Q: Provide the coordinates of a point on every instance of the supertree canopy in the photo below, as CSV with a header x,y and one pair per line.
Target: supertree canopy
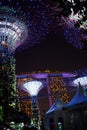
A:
x,y
73,15
79,79
25,21
12,31
33,87
76,34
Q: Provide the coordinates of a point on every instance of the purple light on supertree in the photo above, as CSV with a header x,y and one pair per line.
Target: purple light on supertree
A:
x,y
73,37
25,21
74,23
75,33
80,76
82,79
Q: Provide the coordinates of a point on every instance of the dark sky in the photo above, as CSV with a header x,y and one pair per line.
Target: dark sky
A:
x,y
52,53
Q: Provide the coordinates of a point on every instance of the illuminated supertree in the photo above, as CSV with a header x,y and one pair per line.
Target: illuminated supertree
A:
x,y
11,31
33,87
25,21
72,15
72,29
81,79
31,19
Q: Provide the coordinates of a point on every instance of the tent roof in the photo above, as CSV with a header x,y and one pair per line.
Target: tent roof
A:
x,y
56,106
78,98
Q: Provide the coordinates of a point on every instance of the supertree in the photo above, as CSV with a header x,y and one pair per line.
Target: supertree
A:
x,y
33,87
8,92
24,23
72,15
10,33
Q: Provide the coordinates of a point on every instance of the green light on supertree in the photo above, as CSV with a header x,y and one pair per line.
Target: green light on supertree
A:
x,y
8,91
12,31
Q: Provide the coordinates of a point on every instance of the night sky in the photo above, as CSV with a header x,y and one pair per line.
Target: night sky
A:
x,y
52,53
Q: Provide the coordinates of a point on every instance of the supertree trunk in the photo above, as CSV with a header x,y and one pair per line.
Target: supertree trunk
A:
x,y
8,92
